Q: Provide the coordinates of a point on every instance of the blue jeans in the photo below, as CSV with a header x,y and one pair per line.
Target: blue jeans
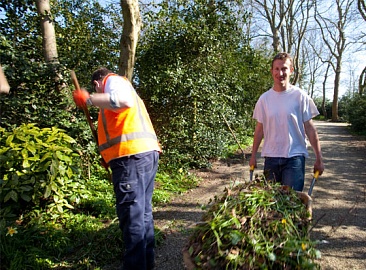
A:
x,y
287,171
133,181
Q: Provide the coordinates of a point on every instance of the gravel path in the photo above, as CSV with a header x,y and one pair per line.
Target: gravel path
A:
x,y
339,200
339,204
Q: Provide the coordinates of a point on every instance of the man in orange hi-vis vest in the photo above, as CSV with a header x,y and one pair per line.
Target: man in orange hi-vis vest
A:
x,y
128,144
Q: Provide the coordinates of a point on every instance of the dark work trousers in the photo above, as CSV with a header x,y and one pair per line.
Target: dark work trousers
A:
x,y
133,181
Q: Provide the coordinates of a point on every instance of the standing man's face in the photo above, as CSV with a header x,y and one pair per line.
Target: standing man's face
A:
x,y
281,71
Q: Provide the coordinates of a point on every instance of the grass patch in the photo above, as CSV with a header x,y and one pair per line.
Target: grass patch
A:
x,y
171,184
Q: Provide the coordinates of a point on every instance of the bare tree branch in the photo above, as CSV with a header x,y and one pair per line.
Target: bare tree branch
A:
x,y
334,37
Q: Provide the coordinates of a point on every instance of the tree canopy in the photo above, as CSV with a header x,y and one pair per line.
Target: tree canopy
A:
x,y
196,69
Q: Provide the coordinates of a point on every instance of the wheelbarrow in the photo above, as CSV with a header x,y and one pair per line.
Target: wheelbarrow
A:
x,y
304,197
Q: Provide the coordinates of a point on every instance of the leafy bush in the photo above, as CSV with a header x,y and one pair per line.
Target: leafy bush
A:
x,y
327,114
38,168
357,113
196,71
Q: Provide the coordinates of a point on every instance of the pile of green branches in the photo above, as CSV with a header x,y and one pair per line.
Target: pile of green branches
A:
x,y
256,225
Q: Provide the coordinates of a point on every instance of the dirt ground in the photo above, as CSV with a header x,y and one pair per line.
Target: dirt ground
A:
x,y
339,202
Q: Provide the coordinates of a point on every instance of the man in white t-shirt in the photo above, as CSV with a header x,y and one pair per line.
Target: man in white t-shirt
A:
x,y
284,119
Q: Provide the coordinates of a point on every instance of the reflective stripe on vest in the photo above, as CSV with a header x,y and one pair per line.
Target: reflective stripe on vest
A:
x,y
138,134
127,137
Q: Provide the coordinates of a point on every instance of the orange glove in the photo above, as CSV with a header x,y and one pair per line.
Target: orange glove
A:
x,y
80,97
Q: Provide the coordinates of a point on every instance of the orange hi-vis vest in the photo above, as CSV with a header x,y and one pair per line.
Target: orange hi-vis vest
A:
x,y
125,133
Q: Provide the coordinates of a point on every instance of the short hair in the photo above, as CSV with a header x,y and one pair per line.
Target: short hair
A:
x,y
99,74
283,56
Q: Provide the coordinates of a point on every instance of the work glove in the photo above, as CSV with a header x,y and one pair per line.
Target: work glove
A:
x,y
80,97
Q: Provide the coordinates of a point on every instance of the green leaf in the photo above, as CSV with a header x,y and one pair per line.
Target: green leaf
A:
x,y
61,170
236,237
3,150
24,153
51,139
61,156
68,205
28,181
46,156
35,158
69,172
26,188
9,139
68,139
11,195
60,209
53,168
67,159
47,192
14,179
31,148
43,167
25,197
25,163
21,137
54,187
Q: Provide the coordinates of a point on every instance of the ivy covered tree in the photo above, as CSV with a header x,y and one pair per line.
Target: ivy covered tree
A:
x,y
195,69
87,36
22,58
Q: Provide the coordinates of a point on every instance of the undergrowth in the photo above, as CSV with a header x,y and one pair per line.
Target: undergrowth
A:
x,y
86,237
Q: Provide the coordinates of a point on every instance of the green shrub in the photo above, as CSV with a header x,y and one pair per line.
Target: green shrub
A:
x,y
357,114
37,168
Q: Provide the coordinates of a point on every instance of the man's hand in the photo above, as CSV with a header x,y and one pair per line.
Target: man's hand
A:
x,y
80,97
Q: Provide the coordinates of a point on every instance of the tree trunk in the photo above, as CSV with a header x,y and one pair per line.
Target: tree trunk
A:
x,y
325,113
49,41
337,80
361,4
362,82
48,32
129,38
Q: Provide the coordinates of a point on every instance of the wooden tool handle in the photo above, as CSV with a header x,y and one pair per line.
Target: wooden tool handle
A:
x,y
74,80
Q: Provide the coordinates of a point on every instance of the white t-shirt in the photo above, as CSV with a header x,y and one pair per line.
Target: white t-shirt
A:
x,y
120,90
283,115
